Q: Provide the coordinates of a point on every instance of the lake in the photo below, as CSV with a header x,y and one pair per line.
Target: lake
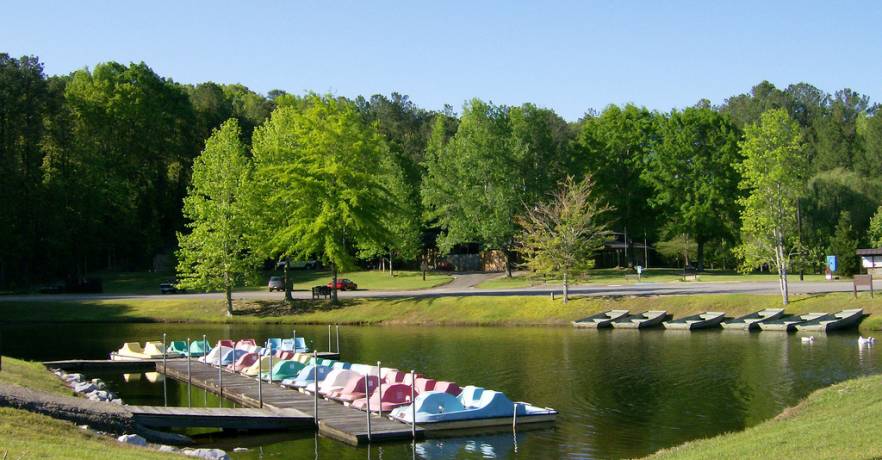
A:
x,y
620,393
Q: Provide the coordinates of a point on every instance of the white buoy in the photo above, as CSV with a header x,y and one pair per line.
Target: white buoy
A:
x,y
808,339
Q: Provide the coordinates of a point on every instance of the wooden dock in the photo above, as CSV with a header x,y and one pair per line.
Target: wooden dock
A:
x,y
241,419
334,419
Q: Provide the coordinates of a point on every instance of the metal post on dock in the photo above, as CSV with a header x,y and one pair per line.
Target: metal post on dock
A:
x,y
514,419
205,360
220,375
412,404
315,393
379,388
189,377
269,372
337,327
329,338
294,337
164,369
259,380
367,412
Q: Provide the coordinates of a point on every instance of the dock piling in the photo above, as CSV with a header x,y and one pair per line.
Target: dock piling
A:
x,y
514,419
220,376
270,371
379,388
189,377
367,410
164,369
329,337
337,327
294,337
412,404
260,381
315,382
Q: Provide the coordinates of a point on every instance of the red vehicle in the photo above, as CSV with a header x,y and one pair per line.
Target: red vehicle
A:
x,y
343,285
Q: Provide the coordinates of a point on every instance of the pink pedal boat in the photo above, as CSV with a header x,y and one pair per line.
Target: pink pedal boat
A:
x,y
394,395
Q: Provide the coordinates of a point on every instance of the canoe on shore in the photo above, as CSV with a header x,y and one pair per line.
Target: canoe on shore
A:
x,y
601,319
843,319
753,320
789,322
701,321
641,320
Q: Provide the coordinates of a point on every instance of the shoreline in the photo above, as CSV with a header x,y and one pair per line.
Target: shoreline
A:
x,y
505,311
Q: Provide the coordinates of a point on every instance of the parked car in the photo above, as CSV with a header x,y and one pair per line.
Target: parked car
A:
x,y
304,264
170,287
343,284
276,283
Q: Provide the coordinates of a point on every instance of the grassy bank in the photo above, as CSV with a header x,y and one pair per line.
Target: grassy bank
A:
x,y
842,422
618,276
467,310
27,435
31,375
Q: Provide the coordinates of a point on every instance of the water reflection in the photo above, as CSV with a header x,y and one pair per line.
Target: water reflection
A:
x,y
619,393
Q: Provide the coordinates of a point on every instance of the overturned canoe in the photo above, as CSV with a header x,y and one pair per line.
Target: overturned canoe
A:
x,y
601,319
841,320
753,320
701,321
640,320
789,322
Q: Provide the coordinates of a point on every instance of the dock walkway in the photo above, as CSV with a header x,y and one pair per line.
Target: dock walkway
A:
x,y
204,417
334,419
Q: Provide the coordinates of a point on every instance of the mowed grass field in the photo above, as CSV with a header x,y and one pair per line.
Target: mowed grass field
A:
x,y
618,276
463,310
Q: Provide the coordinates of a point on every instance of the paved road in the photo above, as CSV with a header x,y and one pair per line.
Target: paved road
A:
x,y
453,289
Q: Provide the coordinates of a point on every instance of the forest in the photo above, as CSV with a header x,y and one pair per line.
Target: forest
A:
x,y
96,166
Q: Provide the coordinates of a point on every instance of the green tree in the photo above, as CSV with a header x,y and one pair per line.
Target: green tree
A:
x,y
24,98
875,230
471,188
327,169
773,175
215,254
560,237
693,173
844,245
679,247
614,148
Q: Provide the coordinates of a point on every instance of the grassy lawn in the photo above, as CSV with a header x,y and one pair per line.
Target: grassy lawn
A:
x,y
842,422
27,435
148,282
466,310
31,375
617,276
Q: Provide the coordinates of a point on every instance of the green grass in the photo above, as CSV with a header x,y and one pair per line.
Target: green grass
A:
x,y
466,310
27,435
617,276
31,375
24,435
838,422
148,282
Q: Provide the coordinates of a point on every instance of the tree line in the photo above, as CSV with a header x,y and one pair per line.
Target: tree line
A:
x,y
97,165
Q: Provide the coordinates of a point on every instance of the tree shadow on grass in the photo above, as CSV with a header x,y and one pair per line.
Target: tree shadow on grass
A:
x,y
270,309
37,312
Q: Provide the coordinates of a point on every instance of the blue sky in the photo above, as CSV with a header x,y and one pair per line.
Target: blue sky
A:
x,y
569,56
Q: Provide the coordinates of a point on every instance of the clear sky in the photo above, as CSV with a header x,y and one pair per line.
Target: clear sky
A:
x,y
569,56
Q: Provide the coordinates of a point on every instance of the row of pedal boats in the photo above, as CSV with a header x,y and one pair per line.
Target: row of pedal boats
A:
x,y
770,319
437,404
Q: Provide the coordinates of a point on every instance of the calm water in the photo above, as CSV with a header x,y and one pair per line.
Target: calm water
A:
x,y
619,393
